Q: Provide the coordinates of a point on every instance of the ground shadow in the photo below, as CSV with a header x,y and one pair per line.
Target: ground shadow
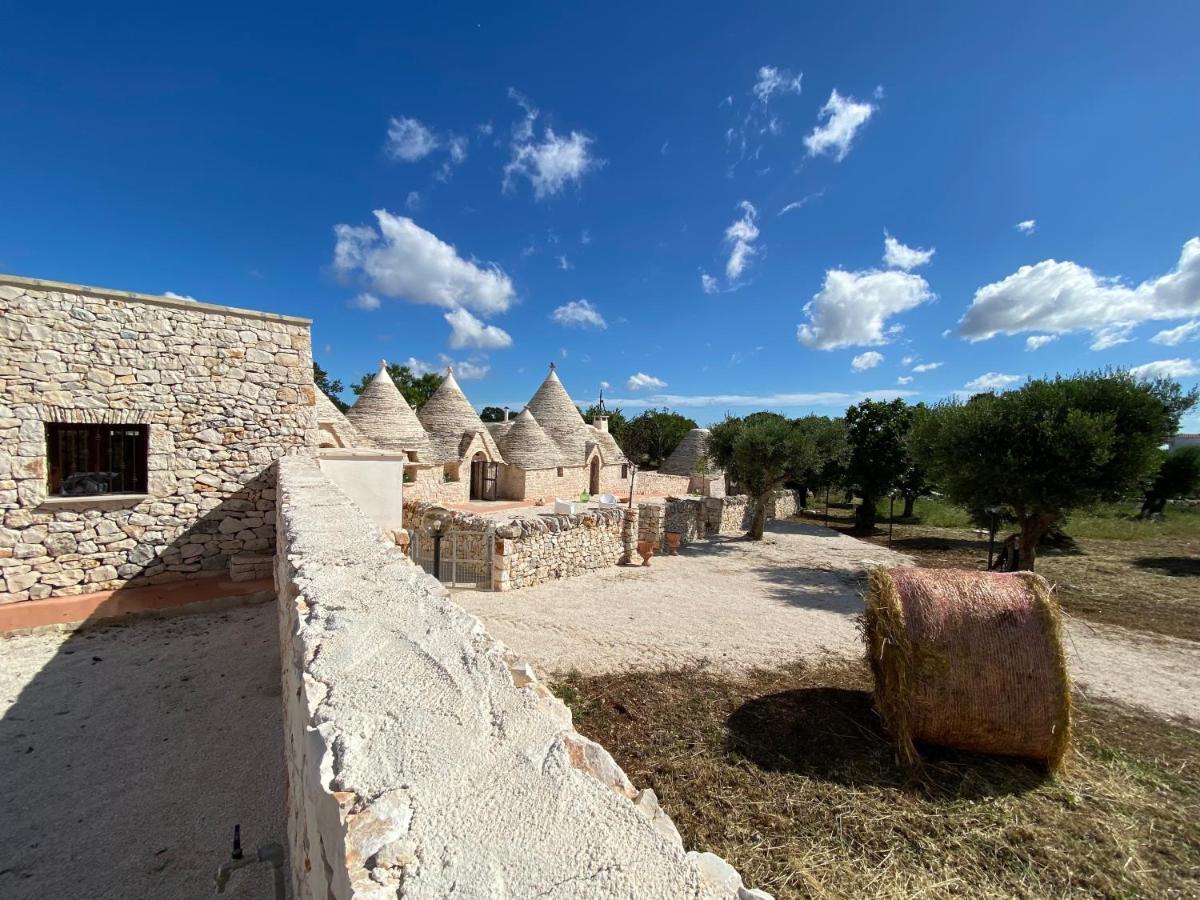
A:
x,y
835,735
131,747
1176,566
819,589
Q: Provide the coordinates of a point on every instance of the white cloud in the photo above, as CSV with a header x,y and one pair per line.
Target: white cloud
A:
x,y
904,379
402,259
1166,368
585,237
832,399
908,360
467,369
563,263
927,367
579,313
419,367
864,361
175,296
1057,297
366,301
1111,335
413,201
740,236
776,81
408,140
1029,226
802,202
551,163
641,381
708,283
852,308
993,381
1037,341
843,117
1173,337
468,331
898,256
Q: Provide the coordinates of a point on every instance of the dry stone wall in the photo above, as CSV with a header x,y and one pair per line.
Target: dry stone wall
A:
x,y
224,393
532,551
398,706
657,484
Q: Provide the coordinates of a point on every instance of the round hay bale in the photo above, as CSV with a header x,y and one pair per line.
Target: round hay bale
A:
x,y
971,660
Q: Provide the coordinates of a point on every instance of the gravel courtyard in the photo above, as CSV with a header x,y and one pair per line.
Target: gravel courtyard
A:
x,y
735,604
131,750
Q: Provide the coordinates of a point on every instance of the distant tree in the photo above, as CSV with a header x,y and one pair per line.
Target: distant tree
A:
x,y
826,465
417,389
651,436
1178,476
761,452
330,389
492,414
876,433
914,480
1050,446
617,423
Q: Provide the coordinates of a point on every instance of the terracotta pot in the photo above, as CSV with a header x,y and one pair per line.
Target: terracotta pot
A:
x,y
673,539
645,551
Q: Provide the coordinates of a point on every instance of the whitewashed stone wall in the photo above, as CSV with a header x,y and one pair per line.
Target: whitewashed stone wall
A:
x,y
424,759
224,392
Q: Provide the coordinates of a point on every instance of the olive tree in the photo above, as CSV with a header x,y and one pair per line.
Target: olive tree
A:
x,y
649,438
1051,446
1178,476
877,436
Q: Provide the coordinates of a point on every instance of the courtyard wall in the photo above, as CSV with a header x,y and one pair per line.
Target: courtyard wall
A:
x,y
423,756
224,393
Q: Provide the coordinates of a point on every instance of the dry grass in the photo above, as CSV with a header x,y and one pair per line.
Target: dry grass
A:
x,y
1146,579
787,774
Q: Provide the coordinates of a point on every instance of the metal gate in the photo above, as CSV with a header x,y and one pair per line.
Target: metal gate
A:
x,y
465,557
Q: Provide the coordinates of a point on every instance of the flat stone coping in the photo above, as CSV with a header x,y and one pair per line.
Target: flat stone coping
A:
x,y
96,500
198,594
39,284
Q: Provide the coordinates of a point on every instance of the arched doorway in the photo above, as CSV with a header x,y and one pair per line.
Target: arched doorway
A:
x,y
483,478
594,479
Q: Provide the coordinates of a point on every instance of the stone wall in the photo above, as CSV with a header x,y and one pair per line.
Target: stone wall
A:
x,y
733,514
656,484
429,483
533,551
685,517
223,392
423,758
651,523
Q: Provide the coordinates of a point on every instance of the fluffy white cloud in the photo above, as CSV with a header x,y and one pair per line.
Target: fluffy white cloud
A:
x,y
175,296
402,259
740,236
408,140
467,369
1058,297
898,256
833,399
776,81
1111,335
579,313
468,331
641,382
927,367
708,283
551,163
1166,368
1027,227
993,381
904,379
852,308
838,122
366,301
1036,341
419,367
864,361
1173,337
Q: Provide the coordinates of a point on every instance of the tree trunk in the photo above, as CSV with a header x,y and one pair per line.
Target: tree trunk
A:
x,y
759,522
864,514
1032,529
909,500
1153,506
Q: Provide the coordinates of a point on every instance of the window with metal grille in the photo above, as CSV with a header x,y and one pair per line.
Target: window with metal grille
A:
x,y
93,460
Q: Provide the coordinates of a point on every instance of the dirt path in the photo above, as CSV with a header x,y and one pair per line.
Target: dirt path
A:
x,y
736,604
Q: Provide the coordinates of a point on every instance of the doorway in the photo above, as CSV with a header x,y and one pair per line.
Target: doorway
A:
x,y
594,479
483,478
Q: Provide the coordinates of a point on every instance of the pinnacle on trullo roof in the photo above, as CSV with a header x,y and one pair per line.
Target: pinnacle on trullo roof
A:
x,y
527,446
384,417
447,416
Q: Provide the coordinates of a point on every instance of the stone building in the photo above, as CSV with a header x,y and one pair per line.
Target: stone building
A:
x,y
692,461
138,435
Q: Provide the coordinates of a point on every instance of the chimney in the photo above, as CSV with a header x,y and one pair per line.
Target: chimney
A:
x,y
601,422
506,414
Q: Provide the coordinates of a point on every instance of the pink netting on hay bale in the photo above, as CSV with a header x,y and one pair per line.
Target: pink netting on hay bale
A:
x,y
971,660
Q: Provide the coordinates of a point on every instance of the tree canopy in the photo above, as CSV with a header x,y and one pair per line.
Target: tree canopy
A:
x,y
1178,476
877,436
618,424
329,388
492,414
416,389
650,437
1051,446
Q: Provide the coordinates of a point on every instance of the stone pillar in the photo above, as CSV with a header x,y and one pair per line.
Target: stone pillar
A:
x,y
502,552
629,537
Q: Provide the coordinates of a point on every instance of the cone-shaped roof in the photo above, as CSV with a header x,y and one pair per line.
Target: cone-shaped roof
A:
x,y
330,418
447,416
383,416
683,458
556,412
527,446
609,448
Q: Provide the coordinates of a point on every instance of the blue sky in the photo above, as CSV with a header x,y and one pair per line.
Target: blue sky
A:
x,y
686,203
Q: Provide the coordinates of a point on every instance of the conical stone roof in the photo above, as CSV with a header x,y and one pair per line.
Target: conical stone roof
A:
x,y
527,446
556,412
384,417
333,419
683,459
447,416
609,448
